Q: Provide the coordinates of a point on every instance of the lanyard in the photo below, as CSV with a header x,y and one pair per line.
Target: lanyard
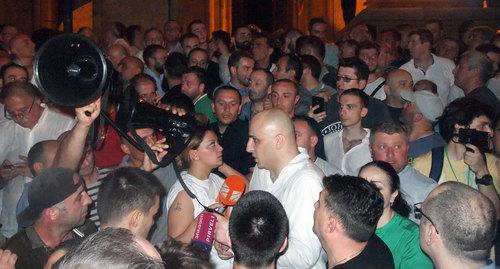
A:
x,y
453,171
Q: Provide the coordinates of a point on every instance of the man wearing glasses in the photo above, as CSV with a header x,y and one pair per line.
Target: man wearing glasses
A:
x,y
29,122
353,73
457,227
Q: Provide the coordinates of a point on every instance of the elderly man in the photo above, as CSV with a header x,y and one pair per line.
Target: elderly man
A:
x,y
473,71
463,238
292,178
29,122
23,50
129,67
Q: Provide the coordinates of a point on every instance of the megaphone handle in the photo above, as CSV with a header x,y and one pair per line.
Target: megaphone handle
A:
x,y
120,131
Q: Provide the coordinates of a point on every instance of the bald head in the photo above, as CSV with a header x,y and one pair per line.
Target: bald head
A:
x,y
22,46
465,220
116,53
272,140
425,85
275,121
41,155
130,66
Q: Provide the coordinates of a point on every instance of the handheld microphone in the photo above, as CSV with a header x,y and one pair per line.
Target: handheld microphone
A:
x,y
205,231
231,191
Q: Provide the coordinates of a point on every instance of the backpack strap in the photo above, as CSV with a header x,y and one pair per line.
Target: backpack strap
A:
x,y
377,89
437,163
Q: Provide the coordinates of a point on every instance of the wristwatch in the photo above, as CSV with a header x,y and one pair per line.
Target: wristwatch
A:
x,y
485,180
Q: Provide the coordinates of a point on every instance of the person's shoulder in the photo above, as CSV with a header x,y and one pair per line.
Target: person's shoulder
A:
x,y
444,61
407,66
407,226
18,243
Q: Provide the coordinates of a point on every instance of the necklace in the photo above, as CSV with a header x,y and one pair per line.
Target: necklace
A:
x,y
348,257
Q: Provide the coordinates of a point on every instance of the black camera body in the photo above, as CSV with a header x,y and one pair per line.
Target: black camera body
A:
x,y
472,136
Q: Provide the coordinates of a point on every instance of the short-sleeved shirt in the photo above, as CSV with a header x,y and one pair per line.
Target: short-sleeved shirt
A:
x,y
414,187
204,106
376,255
425,144
457,170
401,235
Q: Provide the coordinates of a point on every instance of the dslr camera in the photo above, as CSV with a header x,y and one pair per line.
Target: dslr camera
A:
x,y
477,138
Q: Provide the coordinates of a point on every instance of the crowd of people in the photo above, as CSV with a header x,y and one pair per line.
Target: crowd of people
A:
x,y
379,150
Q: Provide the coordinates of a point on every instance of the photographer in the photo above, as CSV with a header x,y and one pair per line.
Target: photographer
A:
x,y
466,127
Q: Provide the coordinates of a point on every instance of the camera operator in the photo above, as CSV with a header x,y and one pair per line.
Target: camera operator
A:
x,y
466,126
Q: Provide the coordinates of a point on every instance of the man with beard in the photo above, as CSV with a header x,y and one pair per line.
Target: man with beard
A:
x,y
242,40
261,81
368,52
58,204
231,131
154,58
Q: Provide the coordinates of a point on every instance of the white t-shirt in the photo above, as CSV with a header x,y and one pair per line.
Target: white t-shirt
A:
x,y
349,162
440,72
297,187
206,191
370,87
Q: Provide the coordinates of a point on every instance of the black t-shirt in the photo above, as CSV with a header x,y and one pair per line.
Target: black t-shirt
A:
x,y
395,113
376,255
234,142
486,96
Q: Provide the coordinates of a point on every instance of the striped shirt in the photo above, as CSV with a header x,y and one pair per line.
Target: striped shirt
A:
x,y
93,191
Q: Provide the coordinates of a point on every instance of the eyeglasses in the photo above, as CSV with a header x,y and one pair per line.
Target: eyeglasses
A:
x,y
418,214
19,115
345,79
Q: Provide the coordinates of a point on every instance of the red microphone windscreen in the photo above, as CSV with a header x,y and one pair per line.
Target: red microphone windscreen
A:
x,y
231,190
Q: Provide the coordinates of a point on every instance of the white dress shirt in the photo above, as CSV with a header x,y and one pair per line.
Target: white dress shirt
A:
x,y
440,72
297,187
16,140
351,161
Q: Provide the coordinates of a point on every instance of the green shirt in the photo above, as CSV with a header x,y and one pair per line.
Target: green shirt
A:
x,y
204,106
401,235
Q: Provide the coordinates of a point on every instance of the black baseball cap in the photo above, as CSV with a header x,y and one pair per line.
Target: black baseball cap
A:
x,y
49,188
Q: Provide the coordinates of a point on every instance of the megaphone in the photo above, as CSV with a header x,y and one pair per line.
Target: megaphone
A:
x,y
135,113
70,70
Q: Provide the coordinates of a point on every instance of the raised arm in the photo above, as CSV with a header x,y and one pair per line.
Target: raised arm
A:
x,y
72,144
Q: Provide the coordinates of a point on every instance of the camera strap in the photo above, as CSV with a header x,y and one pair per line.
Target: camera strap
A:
x,y
437,163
